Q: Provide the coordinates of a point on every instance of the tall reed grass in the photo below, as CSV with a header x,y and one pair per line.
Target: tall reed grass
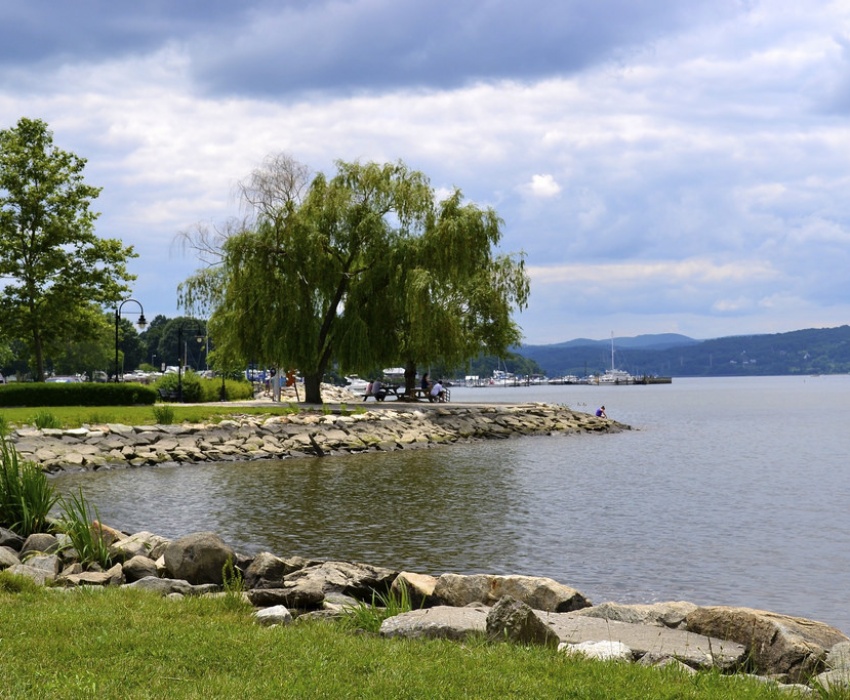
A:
x,y
26,496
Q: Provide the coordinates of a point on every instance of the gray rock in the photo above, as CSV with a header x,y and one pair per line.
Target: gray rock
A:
x,y
838,656
112,577
8,557
198,558
776,644
602,651
142,543
277,615
139,567
358,580
304,595
537,592
420,588
668,614
40,576
265,571
441,622
695,650
11,539
162,586
40,542
510,620
46,562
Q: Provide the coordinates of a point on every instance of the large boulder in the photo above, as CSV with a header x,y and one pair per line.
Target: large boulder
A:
x,y
775,644
442,622
537,592
40,542
144,544
198,558
139,567
265,571
510,620
360,581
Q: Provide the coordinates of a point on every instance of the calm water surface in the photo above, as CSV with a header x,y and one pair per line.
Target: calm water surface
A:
x,y
727,491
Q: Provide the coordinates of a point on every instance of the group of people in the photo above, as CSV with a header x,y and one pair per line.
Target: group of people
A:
x,y
434,390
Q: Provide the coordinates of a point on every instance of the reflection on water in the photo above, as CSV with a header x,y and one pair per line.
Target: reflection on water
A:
x,y
402,509
730,492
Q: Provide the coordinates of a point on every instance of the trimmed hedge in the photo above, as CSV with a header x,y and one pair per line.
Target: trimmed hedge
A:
x,y
84,394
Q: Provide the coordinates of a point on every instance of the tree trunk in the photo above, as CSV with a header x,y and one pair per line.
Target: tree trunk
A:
x,y
410,377
313,388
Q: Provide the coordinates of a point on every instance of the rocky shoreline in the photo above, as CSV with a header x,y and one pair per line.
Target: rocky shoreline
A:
x,y
334,430
796,653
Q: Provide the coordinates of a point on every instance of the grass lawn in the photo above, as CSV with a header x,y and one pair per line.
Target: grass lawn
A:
x,y
76,416
131,644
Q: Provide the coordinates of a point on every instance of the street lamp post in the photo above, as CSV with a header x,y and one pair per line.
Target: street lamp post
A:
x,y
199,333
141,323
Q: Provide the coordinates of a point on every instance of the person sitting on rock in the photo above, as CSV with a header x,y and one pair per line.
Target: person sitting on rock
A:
x,y
600,412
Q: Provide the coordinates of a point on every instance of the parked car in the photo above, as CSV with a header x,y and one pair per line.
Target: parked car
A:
x,y
64,379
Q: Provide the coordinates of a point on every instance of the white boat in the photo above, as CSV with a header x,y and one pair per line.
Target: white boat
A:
x,y
614,376
356,384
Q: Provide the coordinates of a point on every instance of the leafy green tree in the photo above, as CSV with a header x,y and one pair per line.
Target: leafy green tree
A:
x,y
89,354
183,337
151,337
53,263
363,269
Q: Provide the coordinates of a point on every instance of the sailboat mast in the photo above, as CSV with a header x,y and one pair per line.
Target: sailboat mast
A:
x,y
612,351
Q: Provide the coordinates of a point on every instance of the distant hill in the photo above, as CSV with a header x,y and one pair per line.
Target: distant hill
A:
x,y
811,351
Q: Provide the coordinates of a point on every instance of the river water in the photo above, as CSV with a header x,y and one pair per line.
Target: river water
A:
x,y
726,492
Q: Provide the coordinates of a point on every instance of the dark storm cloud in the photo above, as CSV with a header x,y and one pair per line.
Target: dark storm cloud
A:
x,y
271,48
366,45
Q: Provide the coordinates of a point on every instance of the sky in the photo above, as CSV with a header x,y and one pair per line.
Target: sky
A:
x,y
665,166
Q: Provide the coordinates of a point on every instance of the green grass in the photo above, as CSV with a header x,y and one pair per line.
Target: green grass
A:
x,y
76,416
131,644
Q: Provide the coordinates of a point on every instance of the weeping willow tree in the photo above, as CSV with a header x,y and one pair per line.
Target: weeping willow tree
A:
x,y
363,269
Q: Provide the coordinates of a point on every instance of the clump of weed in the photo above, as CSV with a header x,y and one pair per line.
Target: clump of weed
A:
x,y
26,496
163,415
16,583
81,523
45,419
369,616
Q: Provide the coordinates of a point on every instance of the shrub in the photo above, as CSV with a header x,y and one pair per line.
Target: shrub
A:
x,y
190,381
164,415
202,390
26,496
84,394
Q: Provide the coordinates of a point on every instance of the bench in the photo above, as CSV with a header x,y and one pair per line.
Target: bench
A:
x,y
388,388
420,394
168,395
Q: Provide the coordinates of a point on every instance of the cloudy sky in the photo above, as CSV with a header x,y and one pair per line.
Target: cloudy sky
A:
x,y
665,165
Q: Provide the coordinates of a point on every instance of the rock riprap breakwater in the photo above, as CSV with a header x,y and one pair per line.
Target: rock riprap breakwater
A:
x,y
796,652
297,434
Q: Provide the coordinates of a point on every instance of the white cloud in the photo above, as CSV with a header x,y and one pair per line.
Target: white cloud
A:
x,y
542,187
